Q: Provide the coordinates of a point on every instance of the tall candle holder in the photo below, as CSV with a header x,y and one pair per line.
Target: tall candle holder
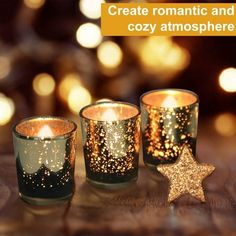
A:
x,y
169,120
45,157
111,142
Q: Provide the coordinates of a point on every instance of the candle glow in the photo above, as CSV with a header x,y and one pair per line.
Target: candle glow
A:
x,y
45,155
45,131
170,120
109,115
169,102
111,132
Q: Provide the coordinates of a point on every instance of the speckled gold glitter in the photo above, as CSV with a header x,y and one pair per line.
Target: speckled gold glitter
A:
x,y
186,175
45,165
112,147
111,142
166,129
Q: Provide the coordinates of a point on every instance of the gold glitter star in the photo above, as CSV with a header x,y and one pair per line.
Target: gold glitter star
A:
x,y
186,175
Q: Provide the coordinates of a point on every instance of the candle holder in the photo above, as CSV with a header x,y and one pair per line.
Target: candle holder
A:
x,y
45,157
169,120
111,142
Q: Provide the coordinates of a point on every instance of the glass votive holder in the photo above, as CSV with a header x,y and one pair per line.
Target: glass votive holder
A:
x,y
111,143
169,120
45,159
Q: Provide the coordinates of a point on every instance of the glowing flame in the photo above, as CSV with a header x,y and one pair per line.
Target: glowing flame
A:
x,y
45,131
169,101
109,115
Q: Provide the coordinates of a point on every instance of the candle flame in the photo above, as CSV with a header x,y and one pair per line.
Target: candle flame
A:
x,y
45,131
169,102
109,115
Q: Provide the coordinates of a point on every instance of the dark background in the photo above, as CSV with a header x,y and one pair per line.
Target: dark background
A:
x,y
43,40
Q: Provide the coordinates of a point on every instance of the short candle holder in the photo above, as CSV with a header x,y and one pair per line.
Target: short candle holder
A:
x,y
111,142
169,120
45,158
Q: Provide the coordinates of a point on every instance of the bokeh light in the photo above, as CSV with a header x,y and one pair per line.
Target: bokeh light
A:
x,y
89,35
69,82
34,4
78,98
109,54
43,84
7,109
91,8
225,124
227,80
160,55
5,67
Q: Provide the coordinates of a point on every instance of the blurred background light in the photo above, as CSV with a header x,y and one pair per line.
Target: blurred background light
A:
x,y
34,4
5,66
78,98
7,109
89,35
109,54
68,82
91,8
160,55
44,84
227,80
225,124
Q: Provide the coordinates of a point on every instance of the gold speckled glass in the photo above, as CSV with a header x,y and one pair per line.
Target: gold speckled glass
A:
x,y
111,142
45,158
169,120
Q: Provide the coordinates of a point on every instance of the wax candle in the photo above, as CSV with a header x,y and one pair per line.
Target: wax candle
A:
x,y
169,120
45,157
111,142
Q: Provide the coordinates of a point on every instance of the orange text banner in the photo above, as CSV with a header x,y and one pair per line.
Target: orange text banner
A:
x,y
170,19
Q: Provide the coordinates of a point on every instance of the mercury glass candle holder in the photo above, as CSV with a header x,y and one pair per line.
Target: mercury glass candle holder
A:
x,y
45,159
111,142
169,120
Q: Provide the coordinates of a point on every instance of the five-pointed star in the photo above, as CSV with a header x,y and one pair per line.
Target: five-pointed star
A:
x,y
186,175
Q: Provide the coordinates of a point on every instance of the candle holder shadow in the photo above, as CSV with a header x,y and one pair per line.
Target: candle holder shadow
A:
x,y
45,164
111,142
169,120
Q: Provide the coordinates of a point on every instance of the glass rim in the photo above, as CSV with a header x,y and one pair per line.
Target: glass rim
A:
x,y
186,91
56,137
110,102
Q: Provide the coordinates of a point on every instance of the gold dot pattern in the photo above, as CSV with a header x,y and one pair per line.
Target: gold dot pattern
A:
x,y
112,147
166,129
45,168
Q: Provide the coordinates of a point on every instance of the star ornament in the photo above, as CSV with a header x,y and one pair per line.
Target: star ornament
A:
x,y
186,175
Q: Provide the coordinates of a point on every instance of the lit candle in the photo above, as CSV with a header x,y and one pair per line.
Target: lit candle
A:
x,y
111,141
169,120
109,115
45,131
169,102
45,155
